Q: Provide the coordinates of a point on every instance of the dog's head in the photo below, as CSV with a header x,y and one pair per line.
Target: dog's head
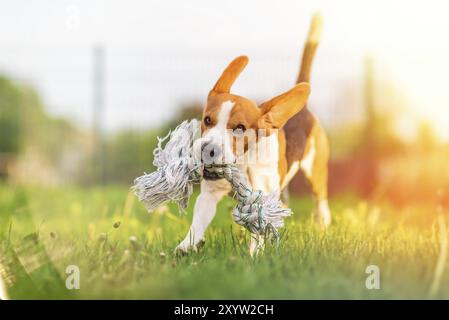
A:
x,y
232,124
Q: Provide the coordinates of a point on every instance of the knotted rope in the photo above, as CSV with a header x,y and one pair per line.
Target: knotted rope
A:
x,y
178,168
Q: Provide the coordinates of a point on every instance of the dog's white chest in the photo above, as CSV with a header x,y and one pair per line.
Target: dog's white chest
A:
x,y
264,177
264,173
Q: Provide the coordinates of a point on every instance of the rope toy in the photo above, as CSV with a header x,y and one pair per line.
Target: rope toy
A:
x,y
178,169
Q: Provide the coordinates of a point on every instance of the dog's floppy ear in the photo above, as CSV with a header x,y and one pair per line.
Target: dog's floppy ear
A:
x,y
277,111
228,77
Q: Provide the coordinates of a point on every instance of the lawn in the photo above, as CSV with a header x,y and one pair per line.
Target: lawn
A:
x,y
125,253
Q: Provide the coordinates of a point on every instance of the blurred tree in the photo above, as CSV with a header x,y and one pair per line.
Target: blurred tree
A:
x,y
379,139
38,130
129,154
10,133
9,117
31,141
426,139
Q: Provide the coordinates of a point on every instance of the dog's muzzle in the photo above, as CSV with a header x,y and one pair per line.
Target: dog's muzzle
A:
x,y
211,154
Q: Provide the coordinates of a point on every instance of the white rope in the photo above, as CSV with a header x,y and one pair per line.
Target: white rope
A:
x,y
177,171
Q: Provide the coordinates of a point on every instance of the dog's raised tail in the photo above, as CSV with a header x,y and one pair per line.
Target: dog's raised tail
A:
x,y
313,39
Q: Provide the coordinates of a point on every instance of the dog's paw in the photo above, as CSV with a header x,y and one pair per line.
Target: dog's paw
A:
x,y
181,250
322,219
322,215
186,247
322,222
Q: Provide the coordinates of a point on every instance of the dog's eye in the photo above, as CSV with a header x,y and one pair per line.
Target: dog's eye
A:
x,y
239,128
207,121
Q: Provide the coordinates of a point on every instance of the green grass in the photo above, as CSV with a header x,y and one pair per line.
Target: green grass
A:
x,y
75,227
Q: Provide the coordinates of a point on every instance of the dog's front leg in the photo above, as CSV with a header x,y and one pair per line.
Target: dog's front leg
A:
x,y
265,179
203,212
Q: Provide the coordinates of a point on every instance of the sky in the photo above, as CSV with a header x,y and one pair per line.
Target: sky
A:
x,y
161,55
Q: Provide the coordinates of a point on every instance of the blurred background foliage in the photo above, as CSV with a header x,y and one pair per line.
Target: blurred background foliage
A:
x,y
368,157
36,148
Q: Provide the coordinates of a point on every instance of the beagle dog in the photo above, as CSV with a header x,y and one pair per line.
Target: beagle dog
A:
x,y
290,136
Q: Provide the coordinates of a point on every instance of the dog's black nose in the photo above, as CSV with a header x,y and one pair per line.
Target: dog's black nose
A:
x,y
210,152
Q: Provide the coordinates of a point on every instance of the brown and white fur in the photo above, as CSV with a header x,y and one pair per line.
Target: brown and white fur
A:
x,y
299,142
